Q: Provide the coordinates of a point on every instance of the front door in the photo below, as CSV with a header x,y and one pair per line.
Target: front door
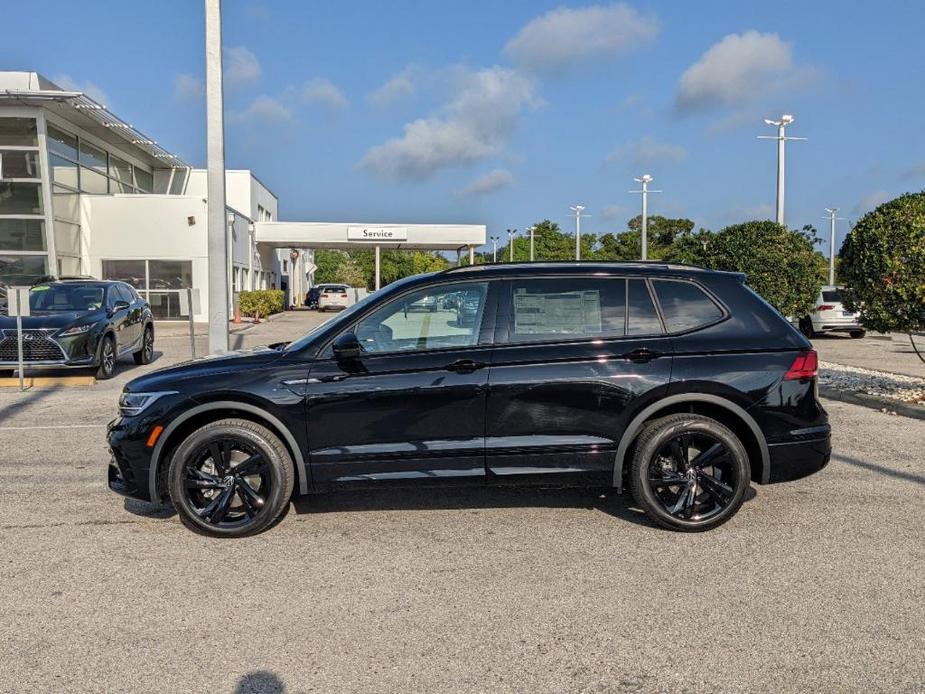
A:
x,y
571,355
411,408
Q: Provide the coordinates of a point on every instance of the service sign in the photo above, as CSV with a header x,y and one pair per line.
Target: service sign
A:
x,y
377,234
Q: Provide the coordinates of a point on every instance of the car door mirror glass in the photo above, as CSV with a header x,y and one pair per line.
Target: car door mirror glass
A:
x,y
119,306
347,347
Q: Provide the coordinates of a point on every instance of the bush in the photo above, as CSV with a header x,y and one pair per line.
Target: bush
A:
x,y
779,263
264,301
883,266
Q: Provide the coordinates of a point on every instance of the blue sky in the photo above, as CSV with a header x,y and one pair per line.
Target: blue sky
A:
x,y
507,113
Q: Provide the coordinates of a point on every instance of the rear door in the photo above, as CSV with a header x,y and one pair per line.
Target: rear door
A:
x,y
573,356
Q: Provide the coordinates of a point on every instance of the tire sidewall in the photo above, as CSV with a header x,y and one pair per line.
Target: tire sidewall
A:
x,y
101,372
650,445
281,483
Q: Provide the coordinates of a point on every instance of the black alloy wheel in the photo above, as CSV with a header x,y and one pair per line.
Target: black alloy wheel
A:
x,y
107,366
690,472
146,354
230,478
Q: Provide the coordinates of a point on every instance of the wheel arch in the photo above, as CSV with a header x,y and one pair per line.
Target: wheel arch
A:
x,y
720,408
213,411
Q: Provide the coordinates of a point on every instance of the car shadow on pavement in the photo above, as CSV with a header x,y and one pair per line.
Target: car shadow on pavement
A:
x,y
879,469
146,510
260,682
605,499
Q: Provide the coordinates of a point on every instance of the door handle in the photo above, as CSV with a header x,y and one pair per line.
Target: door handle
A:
x,y
642,355
465,366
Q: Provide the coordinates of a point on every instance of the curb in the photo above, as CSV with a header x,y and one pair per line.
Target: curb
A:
x,y
873,402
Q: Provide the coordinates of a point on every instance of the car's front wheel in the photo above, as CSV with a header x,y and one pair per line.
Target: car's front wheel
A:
x,y
107,366
857,334
689,472
230,478
145,355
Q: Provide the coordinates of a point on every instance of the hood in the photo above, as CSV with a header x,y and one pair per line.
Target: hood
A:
x,y
207,366
51,319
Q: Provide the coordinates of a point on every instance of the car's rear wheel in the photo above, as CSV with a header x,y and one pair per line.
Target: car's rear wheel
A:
x,y
689,472
230,478
107,366
857,334
145,355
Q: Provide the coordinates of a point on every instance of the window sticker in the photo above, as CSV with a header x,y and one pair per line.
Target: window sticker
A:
x,y
566,313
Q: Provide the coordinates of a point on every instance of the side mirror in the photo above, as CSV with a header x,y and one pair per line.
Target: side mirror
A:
x,y
119,306
347,347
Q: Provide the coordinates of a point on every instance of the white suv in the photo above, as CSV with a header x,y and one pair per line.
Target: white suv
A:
x,y
830,316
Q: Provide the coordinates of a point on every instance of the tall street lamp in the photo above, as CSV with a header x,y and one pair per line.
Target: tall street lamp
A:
x,y
781,138
511,233
645,180
578,209
531,230
494,248
832,212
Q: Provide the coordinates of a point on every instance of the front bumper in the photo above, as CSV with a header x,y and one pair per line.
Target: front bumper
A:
x,y
130,459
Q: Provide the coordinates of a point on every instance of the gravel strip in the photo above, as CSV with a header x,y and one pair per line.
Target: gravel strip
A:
x,y
906,389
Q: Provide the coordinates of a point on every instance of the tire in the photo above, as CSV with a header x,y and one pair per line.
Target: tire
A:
x,y
680,500
145,355
107,365
806,327
7,373
858,334
253,501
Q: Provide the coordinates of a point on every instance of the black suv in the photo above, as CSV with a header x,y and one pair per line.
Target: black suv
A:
x,y
679,383
79,324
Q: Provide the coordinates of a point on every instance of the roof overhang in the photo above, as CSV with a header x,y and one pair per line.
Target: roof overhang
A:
x,y
350,235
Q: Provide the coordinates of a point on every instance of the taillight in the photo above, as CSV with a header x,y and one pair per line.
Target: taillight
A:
x,y
343,296
825,307
806,365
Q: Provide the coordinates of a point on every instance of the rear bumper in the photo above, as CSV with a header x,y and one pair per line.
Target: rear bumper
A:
x,y
797,459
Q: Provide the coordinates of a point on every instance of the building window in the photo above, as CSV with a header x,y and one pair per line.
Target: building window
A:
x,y
19,164
22,235
61,143
18,132
21,198
22,269
158,281
144,181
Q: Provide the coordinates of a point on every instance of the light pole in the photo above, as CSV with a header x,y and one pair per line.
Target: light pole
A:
x,y
531,230
494,248
781,138
578,209
215,182
832,212
511,233
645,180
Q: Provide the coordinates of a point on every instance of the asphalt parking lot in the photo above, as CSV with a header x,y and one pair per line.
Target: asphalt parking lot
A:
x,y
815,585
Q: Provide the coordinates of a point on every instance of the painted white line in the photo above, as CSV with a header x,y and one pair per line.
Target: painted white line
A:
x,y
59,426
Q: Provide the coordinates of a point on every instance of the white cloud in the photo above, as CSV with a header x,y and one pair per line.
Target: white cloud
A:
x,y
566,37
321,92
476,124
740,69
186,87
872,201
89,88
241,66
399,86
489,182
646,152
264,109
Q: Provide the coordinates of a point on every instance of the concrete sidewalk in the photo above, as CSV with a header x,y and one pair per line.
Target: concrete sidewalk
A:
x,y
891,353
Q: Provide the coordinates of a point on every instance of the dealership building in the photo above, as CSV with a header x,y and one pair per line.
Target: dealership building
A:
x,y
84,193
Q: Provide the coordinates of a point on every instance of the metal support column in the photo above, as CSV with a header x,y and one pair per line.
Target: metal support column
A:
x,y
378,267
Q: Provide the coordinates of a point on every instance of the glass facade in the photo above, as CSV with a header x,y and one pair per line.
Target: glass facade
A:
x,y
159,281
23,250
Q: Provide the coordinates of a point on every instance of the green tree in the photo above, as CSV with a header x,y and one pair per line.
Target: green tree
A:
x,y
780,264
883,266
662,235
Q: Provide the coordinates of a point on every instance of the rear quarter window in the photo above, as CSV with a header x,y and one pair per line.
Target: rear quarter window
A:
x,y
685,306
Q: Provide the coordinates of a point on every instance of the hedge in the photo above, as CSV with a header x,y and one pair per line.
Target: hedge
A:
x,y
263,301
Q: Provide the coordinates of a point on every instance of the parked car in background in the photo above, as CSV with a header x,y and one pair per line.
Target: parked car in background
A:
x,y
677,383
80,324
333,297
830,316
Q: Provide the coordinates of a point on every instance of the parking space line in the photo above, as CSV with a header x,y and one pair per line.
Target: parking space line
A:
x,y
56,426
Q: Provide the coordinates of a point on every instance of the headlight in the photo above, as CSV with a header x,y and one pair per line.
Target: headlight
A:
x,y
131,404
76,330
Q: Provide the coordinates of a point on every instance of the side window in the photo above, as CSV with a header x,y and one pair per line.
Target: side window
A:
x,y
685,306
642,319
567,308
432,318
124,294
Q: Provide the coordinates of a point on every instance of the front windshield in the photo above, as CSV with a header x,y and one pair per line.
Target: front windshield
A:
x,y
66,298
346,316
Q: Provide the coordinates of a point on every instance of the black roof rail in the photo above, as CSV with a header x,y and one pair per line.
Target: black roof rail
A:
x,y
658,264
